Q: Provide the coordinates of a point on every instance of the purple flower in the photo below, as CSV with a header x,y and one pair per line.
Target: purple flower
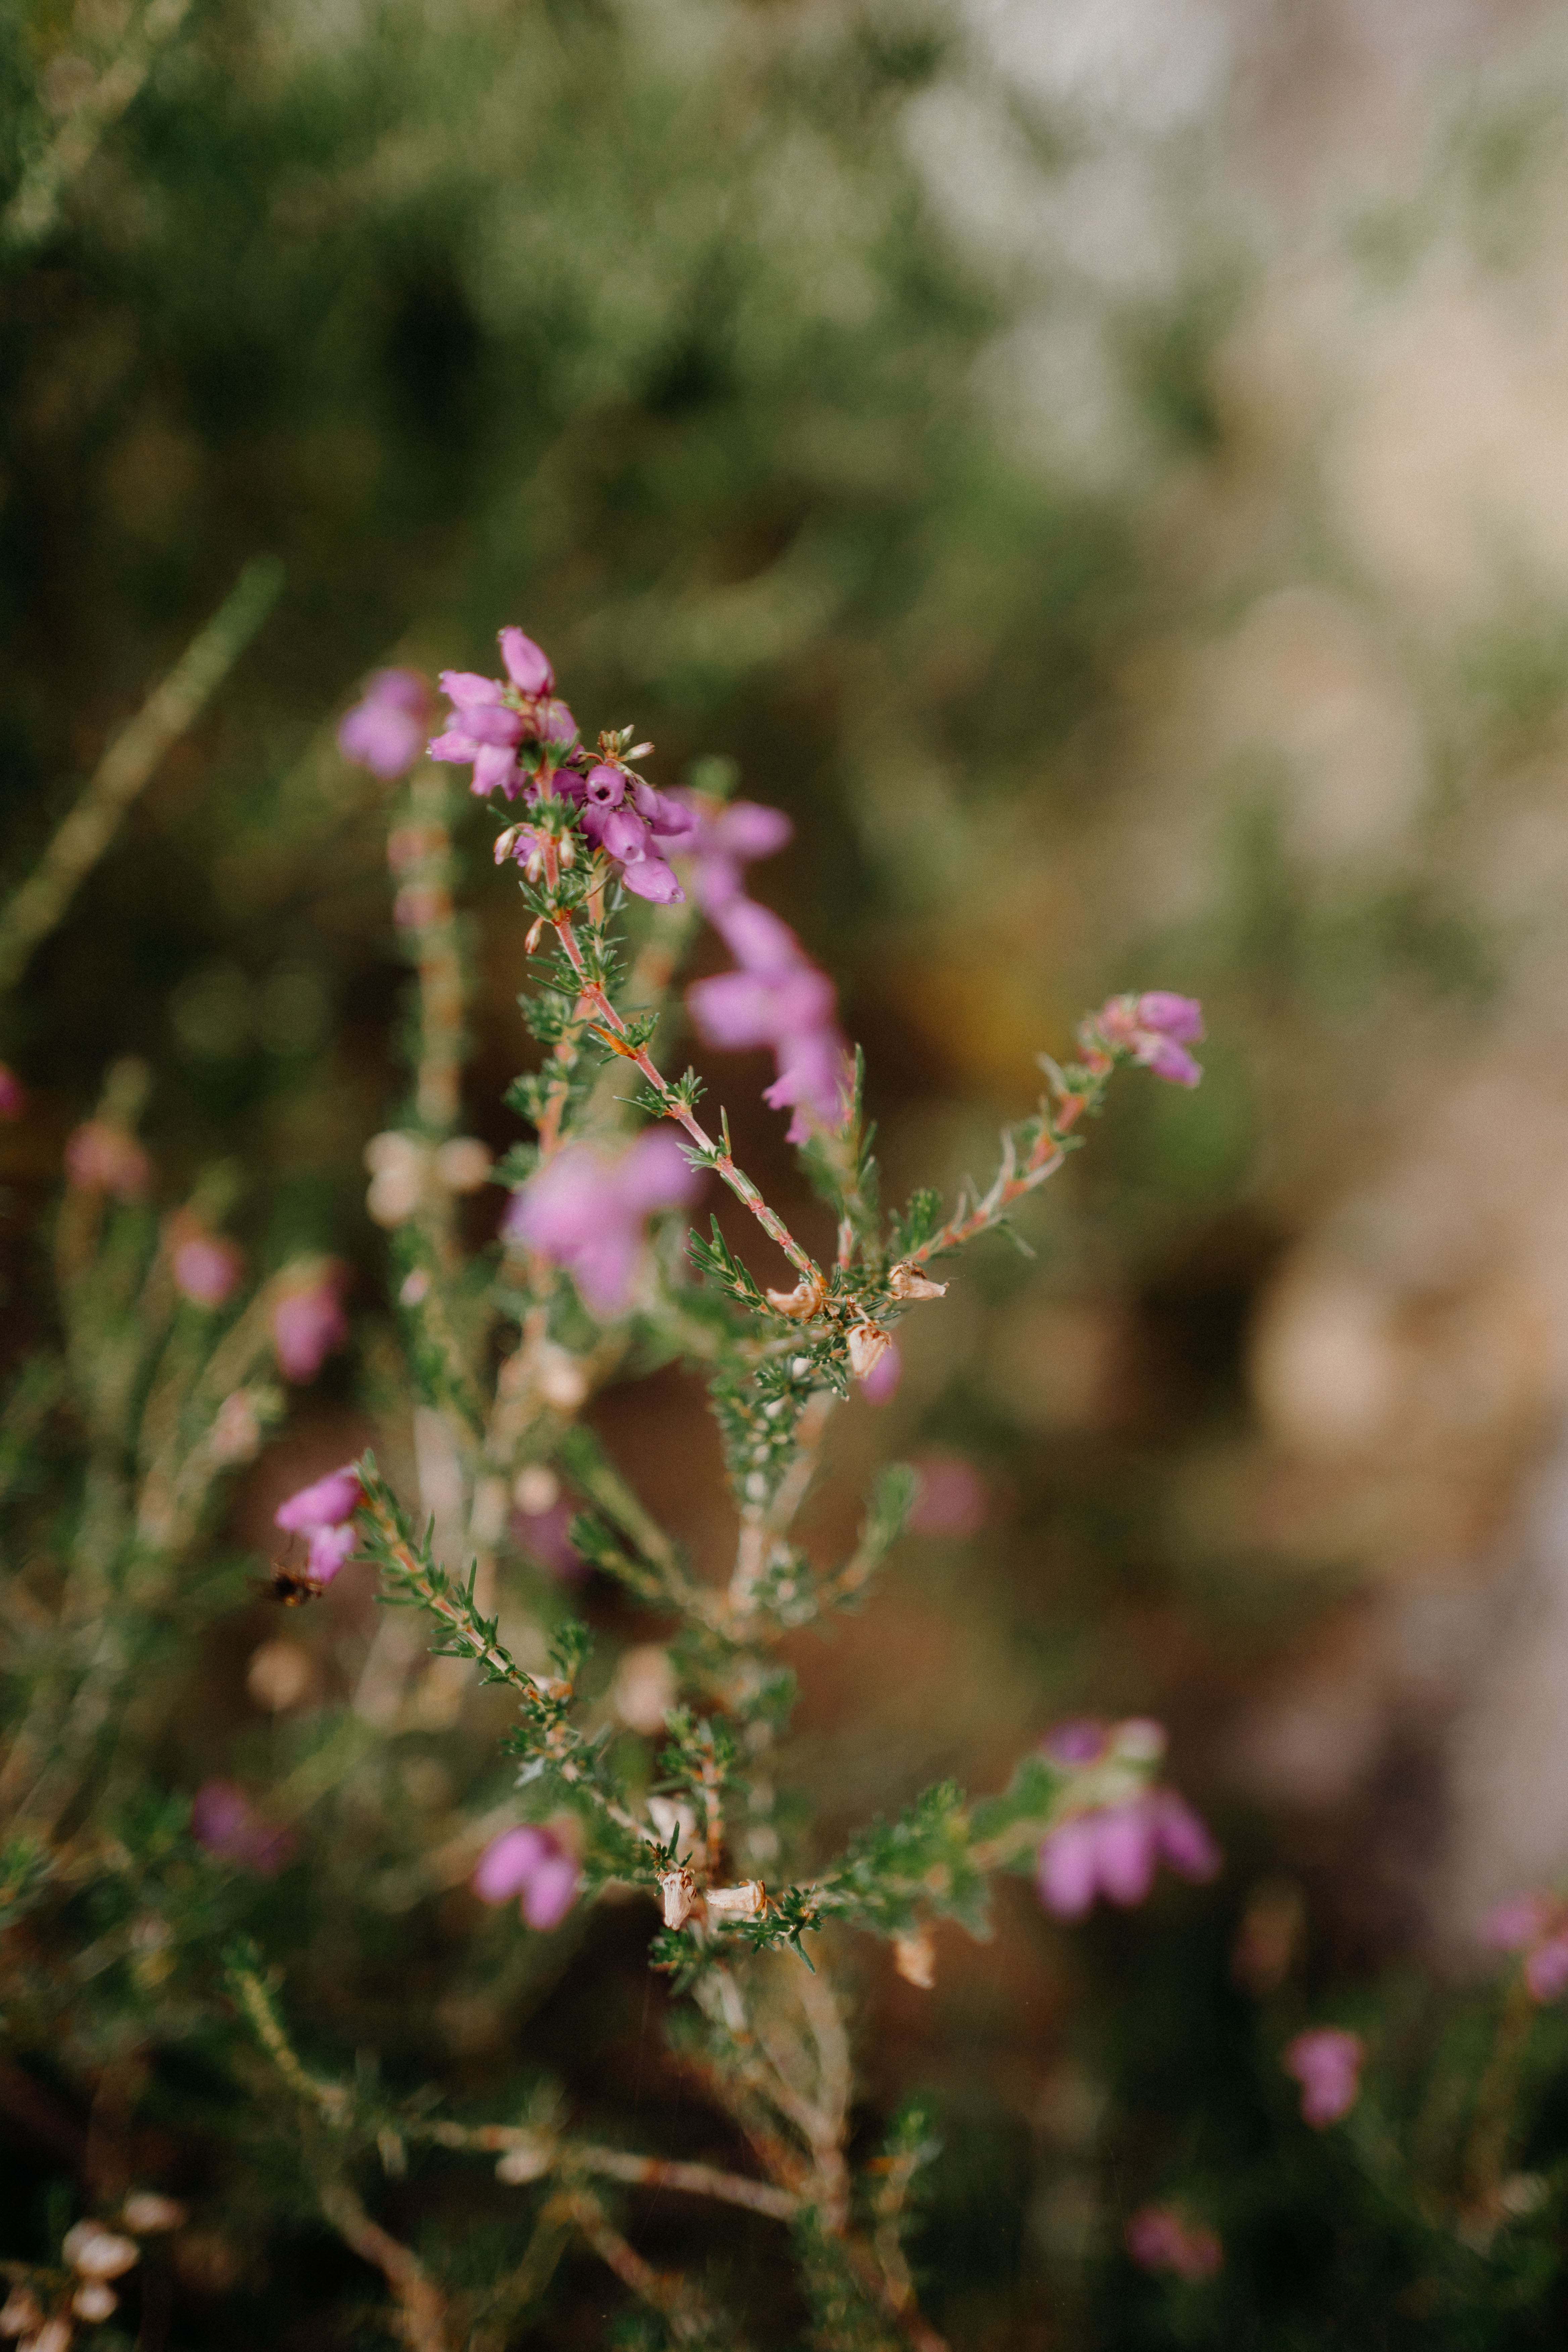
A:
x,y
1082,1740
13,1096
632,824
587,1212
813,1080
1538,1927
737,1010
385,729
533,1863
224,1820
1326,2061
1117,1828
778,999
207,1268
1156,1028
307,1325
527,664
512,731
324,1515
1158,2239
881,1383
726,839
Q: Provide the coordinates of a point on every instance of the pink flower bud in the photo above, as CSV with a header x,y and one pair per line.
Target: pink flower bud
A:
x,y
13,1096
1156,1027
587,1214
465,687
527,666
307,1325
1546,1970
385,729
206,1269
1159,2240
532,1863
1179,1017
334,1497
651,878
1326,2061
324,1515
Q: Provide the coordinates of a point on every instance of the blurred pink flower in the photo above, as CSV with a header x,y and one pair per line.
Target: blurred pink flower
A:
x,y
309,1324
776,996
1114,1850
103,1158
545,1534
324,1515
205,1267
224,1820
725,840
1119,1827
533,1863
1158,2239
13,1094
1537,1926
881,1382
1326,2061
385,729
952,1498
586,1213
1156,1027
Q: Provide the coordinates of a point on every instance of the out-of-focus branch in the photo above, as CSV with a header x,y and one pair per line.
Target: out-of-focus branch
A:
x,y
421,2305
34,911
32,211
614,2164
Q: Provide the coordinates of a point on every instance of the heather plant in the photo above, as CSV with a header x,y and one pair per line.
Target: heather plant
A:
x,y
232,1981
173,1367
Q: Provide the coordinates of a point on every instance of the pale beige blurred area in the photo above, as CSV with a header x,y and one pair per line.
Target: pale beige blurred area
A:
x,y
1356,212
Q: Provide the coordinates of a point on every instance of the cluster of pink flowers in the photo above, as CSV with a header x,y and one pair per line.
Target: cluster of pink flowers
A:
x,y
776,997
534,1864
1157,1028
1160,2238
518,738
508,730
1537,1926
586,1213
1118,1827
224,1820
324,1514
309,1324
385,729
1326,2061
631,822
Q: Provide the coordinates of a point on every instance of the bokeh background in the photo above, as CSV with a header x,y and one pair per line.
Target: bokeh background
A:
x,y
1102,466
